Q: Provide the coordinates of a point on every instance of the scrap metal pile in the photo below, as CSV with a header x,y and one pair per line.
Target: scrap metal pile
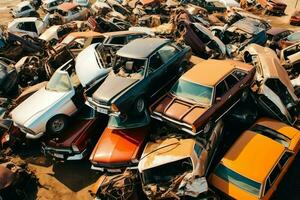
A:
x,y
150,89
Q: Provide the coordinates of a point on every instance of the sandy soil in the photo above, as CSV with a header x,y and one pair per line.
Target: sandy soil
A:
x,y
72,180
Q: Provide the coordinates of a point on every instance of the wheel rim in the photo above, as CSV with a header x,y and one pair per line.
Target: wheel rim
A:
x,y
140,104
58,125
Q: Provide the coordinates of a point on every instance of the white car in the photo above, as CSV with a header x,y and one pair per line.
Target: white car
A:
x,y
32,26
48,109
23,9
51,5
84,3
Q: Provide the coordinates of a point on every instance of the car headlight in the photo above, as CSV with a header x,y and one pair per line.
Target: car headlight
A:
x,y
114,108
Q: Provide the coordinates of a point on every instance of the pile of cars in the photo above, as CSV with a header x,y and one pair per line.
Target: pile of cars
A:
x,y
150,92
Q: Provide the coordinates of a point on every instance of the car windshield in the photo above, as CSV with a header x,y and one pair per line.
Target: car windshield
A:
x,y
270,133
59,82
164,174
192,91
238,180
129,67
294,36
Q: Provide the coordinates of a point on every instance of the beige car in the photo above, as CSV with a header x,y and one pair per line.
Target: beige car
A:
x,y
290,59
273,89
176,168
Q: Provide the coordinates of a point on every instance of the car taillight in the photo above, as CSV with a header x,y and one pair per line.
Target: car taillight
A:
x,y
75,148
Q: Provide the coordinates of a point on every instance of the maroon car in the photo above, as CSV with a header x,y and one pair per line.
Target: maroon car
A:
x,y
79,139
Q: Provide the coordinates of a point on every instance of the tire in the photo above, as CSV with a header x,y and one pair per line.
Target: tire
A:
x,y
140,105
57,124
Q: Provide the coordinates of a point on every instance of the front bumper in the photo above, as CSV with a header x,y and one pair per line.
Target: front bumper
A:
x,y
63,154
111,169
104,109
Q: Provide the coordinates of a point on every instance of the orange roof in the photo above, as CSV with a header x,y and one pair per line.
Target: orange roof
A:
x,y
85,34
253,156
210,72
67,6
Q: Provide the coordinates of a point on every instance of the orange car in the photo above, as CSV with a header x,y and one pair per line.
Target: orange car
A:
x,y
254,166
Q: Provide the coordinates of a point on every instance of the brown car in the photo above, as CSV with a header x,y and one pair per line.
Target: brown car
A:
x,y
273,6
204,94
295,18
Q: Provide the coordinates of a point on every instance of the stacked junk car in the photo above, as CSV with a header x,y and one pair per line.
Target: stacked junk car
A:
x,y
149,99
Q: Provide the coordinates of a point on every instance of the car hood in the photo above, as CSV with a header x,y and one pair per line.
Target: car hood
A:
x,y
179,110
88,67
39,102
112,86
119,146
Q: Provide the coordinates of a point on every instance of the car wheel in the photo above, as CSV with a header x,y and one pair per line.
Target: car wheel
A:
x,y
140,105
57,124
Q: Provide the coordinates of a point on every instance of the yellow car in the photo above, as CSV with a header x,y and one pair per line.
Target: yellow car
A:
x,y
254,166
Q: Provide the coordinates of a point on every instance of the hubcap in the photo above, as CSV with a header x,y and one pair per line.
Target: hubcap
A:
x,y
57,125
140,105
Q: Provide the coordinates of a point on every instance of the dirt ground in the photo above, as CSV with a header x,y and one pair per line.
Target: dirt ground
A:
x,y
72,180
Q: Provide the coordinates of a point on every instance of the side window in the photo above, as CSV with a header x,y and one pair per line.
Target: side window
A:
x,y
268,186
274,174
231,81
198,149
97,40
21,26
118,40
133,37
25,8
221,89
155,62
239,74
167,52
283,160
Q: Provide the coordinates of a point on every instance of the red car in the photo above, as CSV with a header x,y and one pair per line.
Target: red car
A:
x,y
295,18
118,149
78,140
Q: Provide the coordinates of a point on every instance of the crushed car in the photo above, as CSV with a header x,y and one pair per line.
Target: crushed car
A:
x,y
289,40
290,57
134,70
273,6
24,9
275,35
67,12
77,140
273,89
197,101
295,18
175,168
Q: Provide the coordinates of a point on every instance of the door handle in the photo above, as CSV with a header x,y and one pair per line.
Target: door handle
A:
x,y
242,85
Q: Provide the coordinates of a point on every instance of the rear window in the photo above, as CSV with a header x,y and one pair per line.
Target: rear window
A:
x,y
238,180
272,134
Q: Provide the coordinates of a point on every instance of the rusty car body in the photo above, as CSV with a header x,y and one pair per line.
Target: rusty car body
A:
x,y
274,90
201,40
198,100
273,6
275,35
290,59
77,141
175,168
117,150
289,40
295,18
158,64
67,12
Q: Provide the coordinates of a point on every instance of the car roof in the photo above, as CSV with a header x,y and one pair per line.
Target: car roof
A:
x,y
67,6
253,156
141,48
85,34
276,30
165,151
210,72
26,19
